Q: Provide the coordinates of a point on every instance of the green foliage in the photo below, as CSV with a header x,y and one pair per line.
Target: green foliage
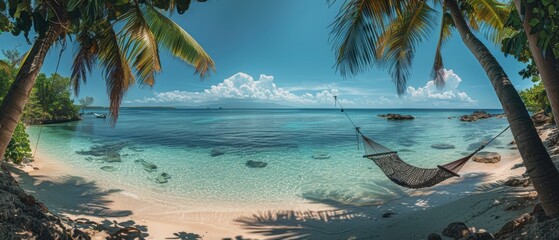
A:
x,y
535,98
19,147
50,100
86,101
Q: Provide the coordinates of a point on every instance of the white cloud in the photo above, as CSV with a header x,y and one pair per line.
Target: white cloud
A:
x,y
448,94
243,87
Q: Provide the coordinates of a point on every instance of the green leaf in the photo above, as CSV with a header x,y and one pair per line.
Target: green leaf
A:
x,y
534,21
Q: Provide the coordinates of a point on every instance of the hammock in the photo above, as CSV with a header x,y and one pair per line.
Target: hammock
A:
x,y
407,175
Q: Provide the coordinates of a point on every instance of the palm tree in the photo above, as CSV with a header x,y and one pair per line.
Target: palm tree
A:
x,y
546,61
122,37
386,32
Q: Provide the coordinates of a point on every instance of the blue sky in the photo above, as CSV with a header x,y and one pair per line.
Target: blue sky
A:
x,y
278,52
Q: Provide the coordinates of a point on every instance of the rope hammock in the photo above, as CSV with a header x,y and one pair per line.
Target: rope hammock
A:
x,y
404,174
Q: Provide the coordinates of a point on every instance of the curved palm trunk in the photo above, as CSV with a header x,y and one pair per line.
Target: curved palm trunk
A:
x,y
11,109
540,168
545,62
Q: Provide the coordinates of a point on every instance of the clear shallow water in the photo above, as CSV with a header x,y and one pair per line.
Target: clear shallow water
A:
x,y
180,142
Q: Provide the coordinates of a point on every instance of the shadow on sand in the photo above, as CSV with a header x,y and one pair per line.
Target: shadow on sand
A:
x,y
363,222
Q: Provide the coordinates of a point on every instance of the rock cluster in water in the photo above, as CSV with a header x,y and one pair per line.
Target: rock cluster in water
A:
x,y
476,115
255,164
395,116
148,166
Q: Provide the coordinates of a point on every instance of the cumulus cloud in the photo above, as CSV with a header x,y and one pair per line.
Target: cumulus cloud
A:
x,y
449,93
242,86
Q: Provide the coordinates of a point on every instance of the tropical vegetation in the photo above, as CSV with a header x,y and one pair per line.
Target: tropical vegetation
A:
x,y
122,38
385,33
86,101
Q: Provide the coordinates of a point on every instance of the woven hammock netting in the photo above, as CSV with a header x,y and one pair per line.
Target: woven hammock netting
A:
x,y
405,174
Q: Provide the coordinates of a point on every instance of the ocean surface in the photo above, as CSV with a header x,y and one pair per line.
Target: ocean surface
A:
x,y
180,142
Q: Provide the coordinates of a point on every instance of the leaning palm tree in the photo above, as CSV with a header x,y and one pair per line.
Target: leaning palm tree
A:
x,y
122,38
385,33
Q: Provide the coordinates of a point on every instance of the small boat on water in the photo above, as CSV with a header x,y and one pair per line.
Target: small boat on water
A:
x,y
100,115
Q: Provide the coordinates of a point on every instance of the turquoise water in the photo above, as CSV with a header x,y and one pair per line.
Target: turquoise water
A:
x,y
179,142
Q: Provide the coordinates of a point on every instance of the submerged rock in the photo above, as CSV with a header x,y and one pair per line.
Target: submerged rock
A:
x,y
443,146
112,157
487,157
108,168
321,155
434,236
104,149
395,116
255,164
388,214
162,178
148,166
217,152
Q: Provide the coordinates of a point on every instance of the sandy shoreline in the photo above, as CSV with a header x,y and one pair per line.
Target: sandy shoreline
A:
x,y
478,198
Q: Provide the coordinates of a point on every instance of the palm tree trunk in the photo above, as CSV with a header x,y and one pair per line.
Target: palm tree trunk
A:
x,y
540,168
545,62
11,109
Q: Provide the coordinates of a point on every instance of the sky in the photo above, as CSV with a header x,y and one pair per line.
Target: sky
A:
x,y
278,52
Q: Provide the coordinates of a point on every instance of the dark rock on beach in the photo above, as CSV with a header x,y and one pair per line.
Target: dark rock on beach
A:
x,y
395,116
255,164
443,146
540,118
456,230
487,157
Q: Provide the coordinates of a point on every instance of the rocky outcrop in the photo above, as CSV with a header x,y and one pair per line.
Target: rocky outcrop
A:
x,y
540,118
518,181
395,116
217,152
487,157
22,216
476,115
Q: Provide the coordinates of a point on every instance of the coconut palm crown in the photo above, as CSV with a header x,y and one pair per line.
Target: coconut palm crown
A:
x,y
385,33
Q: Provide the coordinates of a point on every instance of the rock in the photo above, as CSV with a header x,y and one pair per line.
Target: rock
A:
x,y
35,168
393,116
388,214
255,164
160,179
24,217
112,157
456,230
514,225
217,152
108,168
482,236
518,165
487,157
165,175
148,166
540,118
434,236
443,146
476,115
515,182
321,155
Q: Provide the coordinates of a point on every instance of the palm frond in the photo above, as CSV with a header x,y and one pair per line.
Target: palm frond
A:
x,y
171,36
357,29
84,59
139,45
118,75
491,15
4,66
400,38
437,73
